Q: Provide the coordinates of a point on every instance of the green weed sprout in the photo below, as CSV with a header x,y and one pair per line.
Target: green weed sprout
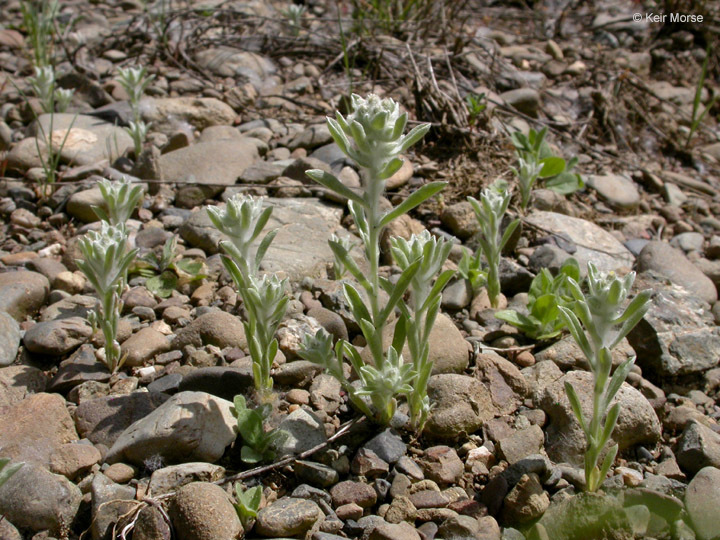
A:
x,y
6,471
294,14
489,211
598,323
258,444
135,81
536,161
547,293
242,220
697,116
138,133
165,270
375,128
475,105
121,199
424,306
248,503
106,262
39,21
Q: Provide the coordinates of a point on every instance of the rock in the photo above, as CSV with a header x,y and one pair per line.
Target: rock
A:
x,y
34,428
58,337
672,264
87,140
457,295
143,346
300,248
387,445
305,431
38,500
22,293
151,525
616,189
262,172
81,367
636,424
525,100
677,336
353,492
218,162
311,137
698,447
228,61
689,241
9,339
442,465
702,501
73,306
568,356
526,501
223,382
171,478
80,204
287,517
521,443
8,531
70,460
102,420
539,376
203,511
462,405
366,463
592,243
330,321
167,114
217,328
19,382
190,426
402,176
508,387
391,531
120,473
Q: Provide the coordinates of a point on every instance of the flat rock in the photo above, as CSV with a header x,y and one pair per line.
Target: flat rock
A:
x,y
169,114
81,367
565,440
38,500
593,243
698,447
508,387
702,501
143,346
677,336
80,204
616,189
173,477
22,293
672,264
102,420
230,62
217,328
462,405
221,381
9,339
78,305
88,139
34,428
525,100
190,426
57,337
72,459
287,517
300,248
305,431
18,382
203,511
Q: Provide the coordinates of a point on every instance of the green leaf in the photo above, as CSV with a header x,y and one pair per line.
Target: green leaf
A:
x,y
250,426
6,471
263,247
607,463
413,136
575,405
518,320
438,287
621,373
189,266
508,233
344,257
162,285
398,291
551,166
390,169
248,455
400,333
610,422
357,306
565,183
415,199
332,183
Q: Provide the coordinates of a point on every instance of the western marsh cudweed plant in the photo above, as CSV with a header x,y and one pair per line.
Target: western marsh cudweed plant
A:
x,y
135,81
424,306
39,21
106,262
598,323
51,98
242,220
375,128
489,211
121,198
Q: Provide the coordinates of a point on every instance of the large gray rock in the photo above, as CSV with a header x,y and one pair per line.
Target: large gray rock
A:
x,y
190,426
38,500
110,501
672,264
508,388
58,337
677,336
462,405
22,293
592,243
702,502
80,204
300,248
304,431
77,305
203,511
616,189
637,423
9,339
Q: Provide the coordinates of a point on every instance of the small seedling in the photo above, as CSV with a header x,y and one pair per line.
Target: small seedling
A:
x,y
697,116
39,21
121,199
547,293
598,323
248,504
476,106
106,263
257,444
489,211
294,14
536,161
166,270
135,81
